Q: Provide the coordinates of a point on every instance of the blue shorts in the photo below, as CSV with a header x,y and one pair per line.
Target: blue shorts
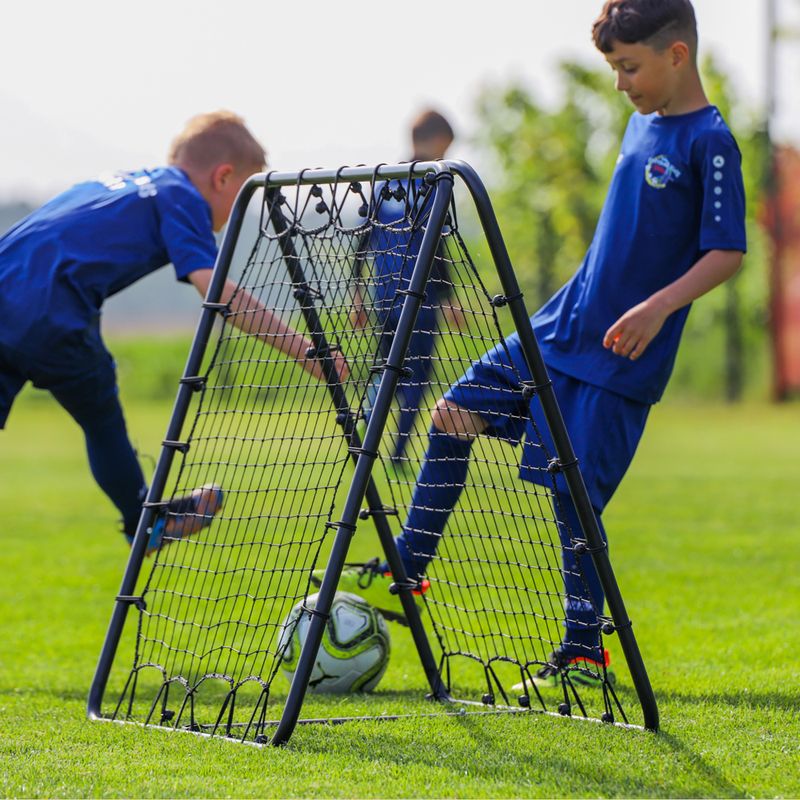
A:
x,y
75,367
604,427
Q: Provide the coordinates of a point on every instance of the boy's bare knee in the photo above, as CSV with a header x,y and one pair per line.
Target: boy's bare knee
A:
x,y
453,420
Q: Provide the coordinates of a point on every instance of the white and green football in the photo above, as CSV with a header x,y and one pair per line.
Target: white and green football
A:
x,y
354,651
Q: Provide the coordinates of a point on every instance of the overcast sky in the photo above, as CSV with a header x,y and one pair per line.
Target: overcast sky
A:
x,y
92,85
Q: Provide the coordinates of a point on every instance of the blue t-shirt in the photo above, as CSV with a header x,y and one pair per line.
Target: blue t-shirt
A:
x,y
676,193
60,263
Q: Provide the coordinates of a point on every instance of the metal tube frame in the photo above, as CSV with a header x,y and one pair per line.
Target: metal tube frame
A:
x,y
598,550
362,484
155,493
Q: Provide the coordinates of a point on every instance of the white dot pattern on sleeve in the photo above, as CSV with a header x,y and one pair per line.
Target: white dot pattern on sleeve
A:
x,y
719,162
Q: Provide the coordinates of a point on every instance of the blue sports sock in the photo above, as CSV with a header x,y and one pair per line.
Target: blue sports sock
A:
x,y
584,593
439,485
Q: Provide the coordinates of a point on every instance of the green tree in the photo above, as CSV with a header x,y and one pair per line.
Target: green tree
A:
x,y
551,171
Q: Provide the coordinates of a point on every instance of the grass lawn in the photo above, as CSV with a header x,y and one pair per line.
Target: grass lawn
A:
x,y
703,545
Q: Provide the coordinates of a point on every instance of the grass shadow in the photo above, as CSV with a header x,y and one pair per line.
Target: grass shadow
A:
x,y
532,750
720,784
761,701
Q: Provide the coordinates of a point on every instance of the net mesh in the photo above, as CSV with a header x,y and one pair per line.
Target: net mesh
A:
x,y
332,263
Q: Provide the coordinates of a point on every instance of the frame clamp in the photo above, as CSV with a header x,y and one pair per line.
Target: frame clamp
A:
x,y
581,548
403,372
304,291
412,293
384,511
500,300
323,351
132,600
398,586
554,465
312,612
195,382
530,388
182,447
334,526
360,451
607,625
221,307
155,504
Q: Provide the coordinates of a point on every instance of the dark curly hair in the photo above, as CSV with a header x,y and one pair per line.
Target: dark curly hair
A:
x,y
656,23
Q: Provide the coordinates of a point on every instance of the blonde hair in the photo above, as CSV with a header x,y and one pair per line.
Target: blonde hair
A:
x,y
217,137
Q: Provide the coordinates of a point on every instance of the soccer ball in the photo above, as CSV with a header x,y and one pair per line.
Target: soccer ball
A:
x,y
354,651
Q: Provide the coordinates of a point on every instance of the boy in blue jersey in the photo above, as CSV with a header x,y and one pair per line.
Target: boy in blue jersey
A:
x,y
60,263
396,246
671,229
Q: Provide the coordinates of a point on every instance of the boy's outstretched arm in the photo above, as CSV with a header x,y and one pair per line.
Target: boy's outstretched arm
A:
x,y
253,317
630,335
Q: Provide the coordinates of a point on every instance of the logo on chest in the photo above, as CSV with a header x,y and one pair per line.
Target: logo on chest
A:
x,y
659,171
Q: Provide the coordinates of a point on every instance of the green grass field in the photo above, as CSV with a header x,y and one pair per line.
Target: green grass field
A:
x,y
704,534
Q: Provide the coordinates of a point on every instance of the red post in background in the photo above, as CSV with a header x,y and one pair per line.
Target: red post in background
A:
x,y
783,221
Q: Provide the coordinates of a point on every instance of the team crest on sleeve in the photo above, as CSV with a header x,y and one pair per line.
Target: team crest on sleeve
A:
x,y
659,171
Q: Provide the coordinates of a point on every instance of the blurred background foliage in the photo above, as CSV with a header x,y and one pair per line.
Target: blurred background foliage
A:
x,y
547,168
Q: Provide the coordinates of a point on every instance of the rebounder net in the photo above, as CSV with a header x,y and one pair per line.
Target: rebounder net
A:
x,y
332,262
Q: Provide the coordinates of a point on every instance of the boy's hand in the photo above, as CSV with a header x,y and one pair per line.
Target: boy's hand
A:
x,y
635,329
359,317
455,316
342,368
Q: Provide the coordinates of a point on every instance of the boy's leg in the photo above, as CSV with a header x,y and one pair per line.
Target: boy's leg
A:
x,y
410,389
579,651
90,396
604,429
11,382
486,399
439,485
583,593
92,400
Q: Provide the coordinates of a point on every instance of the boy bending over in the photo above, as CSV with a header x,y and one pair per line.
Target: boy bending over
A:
x,y
60,263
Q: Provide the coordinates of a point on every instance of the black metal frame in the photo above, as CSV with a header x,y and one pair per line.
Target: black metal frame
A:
x,y
364,453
